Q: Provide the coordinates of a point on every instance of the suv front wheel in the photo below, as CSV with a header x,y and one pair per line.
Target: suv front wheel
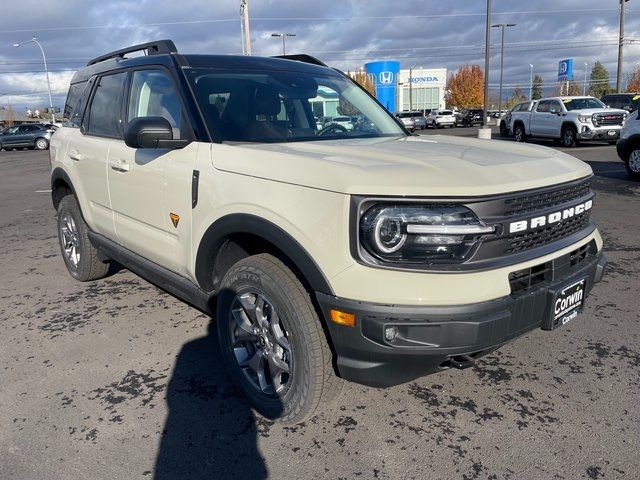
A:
x,y
272,341
633,163
80,256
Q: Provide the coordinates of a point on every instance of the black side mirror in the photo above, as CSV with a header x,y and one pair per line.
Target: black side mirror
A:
x,y
151,132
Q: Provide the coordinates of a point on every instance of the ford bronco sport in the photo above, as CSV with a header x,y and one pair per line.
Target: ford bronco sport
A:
x,y
366,254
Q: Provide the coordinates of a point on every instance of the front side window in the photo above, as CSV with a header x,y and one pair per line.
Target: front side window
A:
x,y
104,113
276,106
153,95
543,106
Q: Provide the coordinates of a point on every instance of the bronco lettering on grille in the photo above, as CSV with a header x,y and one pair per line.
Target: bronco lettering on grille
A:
x,y
555,217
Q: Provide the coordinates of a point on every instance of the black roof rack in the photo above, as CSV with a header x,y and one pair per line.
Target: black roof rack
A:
x,y
302,58
152,48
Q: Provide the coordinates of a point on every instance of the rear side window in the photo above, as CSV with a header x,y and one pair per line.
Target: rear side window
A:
x,y
71,117
104,112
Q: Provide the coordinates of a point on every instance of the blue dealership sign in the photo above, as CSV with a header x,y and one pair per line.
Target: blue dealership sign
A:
x,y
565,70
386,78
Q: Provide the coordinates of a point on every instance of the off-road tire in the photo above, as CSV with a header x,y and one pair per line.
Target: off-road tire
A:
x,y
632,162
313,382
568,137
89,266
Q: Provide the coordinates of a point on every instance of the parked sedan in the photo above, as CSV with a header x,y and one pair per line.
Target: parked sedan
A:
x,y
26,136
441,118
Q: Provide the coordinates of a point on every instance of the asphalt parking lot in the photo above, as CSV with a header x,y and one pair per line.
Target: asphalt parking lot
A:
x,y
118,380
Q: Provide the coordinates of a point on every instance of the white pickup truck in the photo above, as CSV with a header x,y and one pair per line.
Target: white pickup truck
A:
x,y
569,120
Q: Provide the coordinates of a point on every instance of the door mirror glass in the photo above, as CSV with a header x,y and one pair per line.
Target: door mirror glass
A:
x,y
151,132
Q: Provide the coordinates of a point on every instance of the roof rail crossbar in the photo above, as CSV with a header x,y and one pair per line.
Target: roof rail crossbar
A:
x,y
151,48
302,58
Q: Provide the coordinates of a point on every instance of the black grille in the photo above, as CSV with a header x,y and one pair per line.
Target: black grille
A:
x,y
608,119
518,242
549,198
528,277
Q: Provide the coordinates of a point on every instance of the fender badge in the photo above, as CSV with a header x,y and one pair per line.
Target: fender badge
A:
x,y
175,218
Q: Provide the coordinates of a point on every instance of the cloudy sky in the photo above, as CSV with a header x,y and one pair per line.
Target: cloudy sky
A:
x,y
345,34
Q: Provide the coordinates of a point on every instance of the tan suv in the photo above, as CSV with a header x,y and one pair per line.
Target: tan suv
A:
x,y
365,254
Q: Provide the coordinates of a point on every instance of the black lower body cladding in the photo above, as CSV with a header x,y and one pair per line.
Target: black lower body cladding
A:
x,y
425,340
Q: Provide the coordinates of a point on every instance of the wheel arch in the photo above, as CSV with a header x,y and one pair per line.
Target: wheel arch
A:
x,y
629,144
236,236
61,186
567,124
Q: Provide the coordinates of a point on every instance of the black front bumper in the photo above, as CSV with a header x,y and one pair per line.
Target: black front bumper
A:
x,y
430,339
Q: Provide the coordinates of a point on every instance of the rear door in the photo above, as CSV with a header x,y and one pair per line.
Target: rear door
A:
x,y
88,150
150,189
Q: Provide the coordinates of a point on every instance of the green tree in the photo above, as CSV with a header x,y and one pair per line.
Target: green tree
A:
x,y
538,84
600,83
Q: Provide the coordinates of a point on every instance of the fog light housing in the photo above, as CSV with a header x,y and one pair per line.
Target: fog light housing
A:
x,y
390,333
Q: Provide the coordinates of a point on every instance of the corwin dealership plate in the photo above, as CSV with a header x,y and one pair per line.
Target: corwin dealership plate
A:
x,y
566,304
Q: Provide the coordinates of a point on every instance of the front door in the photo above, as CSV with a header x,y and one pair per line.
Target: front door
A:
x,y
146,221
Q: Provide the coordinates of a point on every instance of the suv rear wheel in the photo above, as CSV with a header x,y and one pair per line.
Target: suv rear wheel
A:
x,y
79,255
272,341
633,163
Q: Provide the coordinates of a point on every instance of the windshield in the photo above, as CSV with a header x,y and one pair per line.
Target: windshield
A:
x,y
276,106
582,103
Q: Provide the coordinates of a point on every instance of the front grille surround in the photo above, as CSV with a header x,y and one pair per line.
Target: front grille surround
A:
x,y
608,119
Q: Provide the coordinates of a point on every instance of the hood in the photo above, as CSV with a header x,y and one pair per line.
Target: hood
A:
x,y
434,166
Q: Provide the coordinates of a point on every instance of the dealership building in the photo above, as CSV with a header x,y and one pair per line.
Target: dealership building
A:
x,y
409,89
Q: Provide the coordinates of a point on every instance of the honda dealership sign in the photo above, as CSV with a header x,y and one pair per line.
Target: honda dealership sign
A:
x,y
565,70
386,75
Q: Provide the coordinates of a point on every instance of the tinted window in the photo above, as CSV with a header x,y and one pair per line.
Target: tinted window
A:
x,y
555,106
104,113
153,95
582,103
543,106
71,114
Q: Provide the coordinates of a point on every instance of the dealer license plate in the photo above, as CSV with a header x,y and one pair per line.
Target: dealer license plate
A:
x,y
566,304
612,133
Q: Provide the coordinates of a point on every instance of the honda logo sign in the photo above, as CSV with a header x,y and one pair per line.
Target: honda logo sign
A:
x,y
385,78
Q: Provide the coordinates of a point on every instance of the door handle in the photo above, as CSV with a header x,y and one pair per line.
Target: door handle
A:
x,y
119,165
75,154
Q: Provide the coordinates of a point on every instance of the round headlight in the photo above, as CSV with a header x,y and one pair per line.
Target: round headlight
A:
x,y
387,233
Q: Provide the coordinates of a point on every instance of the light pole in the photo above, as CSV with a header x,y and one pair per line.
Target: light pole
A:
x,y
530,81
502,26
487,51
584,85
620,45
283,35
44,60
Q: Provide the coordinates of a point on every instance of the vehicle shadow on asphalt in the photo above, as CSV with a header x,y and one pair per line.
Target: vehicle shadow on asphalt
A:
x,y
210,431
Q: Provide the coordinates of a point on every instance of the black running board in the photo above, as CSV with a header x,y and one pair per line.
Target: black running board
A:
x,y
173,283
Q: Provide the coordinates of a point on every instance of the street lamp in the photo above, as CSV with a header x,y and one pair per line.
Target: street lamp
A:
x,y
44,60
530,81
283,35
502,26
584,85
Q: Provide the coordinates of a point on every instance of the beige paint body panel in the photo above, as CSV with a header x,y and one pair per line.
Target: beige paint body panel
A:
x,y
440,166
305,190
88,172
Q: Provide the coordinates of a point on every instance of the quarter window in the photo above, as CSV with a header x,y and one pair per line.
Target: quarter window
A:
x,y
71,114
153,95
104,113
